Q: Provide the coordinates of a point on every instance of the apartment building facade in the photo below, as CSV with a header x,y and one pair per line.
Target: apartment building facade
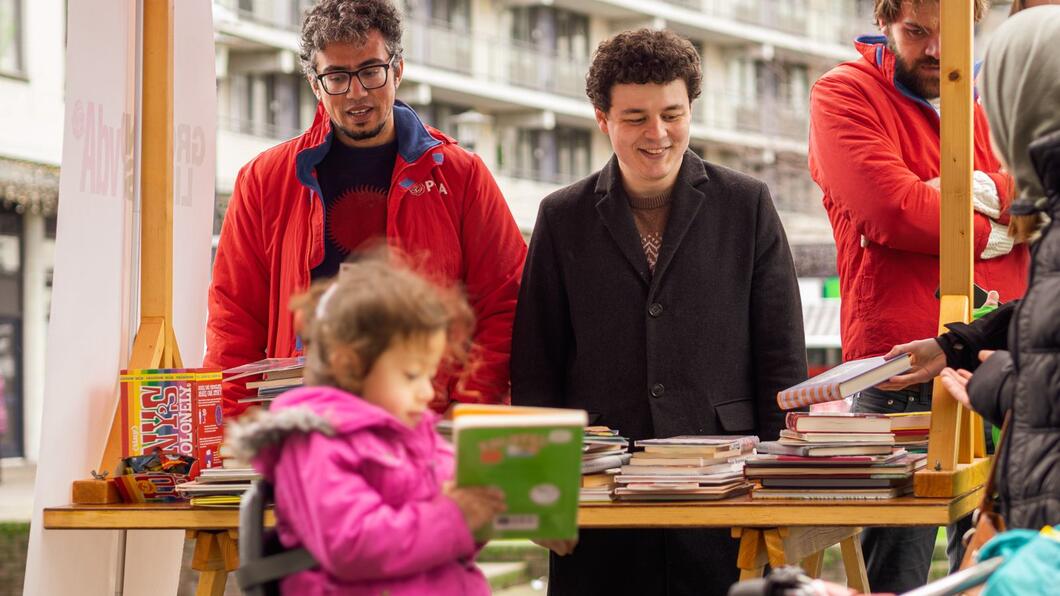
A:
x,y
505,77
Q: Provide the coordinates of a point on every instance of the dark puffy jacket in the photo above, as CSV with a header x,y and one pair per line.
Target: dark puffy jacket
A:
x,y
1025,377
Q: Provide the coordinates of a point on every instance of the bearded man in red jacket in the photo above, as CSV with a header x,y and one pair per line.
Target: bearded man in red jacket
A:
x,y
874,151
367,170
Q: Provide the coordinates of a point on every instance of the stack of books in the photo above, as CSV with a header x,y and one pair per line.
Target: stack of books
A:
x,y
267,379
604,452
833,456
911,430
218,487
702,468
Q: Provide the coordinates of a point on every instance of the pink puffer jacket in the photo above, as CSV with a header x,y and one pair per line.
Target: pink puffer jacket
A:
x,y
362,493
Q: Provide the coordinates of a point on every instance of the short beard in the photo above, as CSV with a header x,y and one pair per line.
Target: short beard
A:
x,y
362,135
907,75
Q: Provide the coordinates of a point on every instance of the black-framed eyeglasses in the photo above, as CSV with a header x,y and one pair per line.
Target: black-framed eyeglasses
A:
x,y
337,82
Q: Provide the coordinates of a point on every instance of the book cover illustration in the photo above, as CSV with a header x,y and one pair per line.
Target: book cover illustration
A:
x,y
534,458
173,411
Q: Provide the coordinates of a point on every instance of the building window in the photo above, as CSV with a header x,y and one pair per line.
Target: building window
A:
x,y
454,13
440,115
268,105
550,49
11,37
10,333
437,33
557,156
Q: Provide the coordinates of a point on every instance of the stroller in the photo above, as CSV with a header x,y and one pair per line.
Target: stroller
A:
x,y
263,561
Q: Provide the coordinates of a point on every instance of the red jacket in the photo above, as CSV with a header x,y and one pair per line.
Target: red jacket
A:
x,y
873,144
444,208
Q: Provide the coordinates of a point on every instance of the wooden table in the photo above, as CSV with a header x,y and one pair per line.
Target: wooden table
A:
x,y
773,531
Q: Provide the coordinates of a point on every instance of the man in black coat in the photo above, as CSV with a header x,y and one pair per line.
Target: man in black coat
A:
x,y
659,294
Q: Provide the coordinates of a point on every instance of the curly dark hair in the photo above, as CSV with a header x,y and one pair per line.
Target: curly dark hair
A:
x,y
887,11
639,57
348,21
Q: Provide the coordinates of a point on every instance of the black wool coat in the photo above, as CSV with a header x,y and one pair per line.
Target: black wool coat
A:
x,y
700,347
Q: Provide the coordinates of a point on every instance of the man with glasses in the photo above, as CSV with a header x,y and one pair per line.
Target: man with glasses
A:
x,y
367,172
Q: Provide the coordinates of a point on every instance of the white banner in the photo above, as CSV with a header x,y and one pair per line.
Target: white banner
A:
x,y
93,310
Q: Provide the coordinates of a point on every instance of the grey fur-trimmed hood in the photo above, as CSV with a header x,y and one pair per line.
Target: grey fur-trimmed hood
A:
x,y
253,433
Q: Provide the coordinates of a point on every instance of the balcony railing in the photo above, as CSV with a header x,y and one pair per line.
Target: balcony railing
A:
x,y
801,18
756,115
493,58
256,128
538,175
281,14
437,45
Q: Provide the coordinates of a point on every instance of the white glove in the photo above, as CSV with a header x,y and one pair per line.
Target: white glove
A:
x,y
999,244
984,195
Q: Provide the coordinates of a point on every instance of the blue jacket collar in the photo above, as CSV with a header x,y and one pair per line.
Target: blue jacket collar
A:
x,y
413,139
880,42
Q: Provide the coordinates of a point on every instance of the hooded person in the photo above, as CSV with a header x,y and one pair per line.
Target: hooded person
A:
x,y
1021,94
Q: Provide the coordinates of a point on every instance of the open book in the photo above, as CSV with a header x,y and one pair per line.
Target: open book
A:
x,y
532,454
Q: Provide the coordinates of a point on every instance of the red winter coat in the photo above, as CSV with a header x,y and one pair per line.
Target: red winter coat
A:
x,y
443,207
873,144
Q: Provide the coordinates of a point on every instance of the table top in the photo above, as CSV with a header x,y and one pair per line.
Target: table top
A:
x,y
736,512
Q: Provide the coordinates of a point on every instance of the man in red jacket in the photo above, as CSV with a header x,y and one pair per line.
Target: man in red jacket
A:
x,y
367,170
874,151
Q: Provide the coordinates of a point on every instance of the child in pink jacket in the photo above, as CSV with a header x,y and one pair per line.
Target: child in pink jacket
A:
x,y
361,478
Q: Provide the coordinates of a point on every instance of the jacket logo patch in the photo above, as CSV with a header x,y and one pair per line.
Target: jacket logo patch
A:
x,y
421,187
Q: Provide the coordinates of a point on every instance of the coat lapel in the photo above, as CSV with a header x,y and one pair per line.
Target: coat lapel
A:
x,y
687,198
618,219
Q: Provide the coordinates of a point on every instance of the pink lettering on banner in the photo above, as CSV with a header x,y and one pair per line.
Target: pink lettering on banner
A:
x,y
107,160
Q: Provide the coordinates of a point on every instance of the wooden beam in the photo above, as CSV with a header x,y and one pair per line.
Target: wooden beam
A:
x,y
963,480
155,343
156,163
957,232
950,442
148,347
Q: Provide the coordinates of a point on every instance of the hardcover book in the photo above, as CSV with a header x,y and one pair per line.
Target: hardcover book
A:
x,y
837,422
842,381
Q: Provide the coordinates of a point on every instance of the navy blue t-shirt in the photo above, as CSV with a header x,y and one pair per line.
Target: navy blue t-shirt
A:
x,y
355,183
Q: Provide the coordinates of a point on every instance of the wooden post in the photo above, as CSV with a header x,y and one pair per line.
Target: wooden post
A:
x,y
155,345
951,445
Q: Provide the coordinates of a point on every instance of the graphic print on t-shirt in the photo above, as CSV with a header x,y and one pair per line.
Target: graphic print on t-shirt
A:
x,y
354,184
356,217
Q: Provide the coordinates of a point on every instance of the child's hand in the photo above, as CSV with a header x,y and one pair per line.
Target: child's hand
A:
x,y
479,504
560,547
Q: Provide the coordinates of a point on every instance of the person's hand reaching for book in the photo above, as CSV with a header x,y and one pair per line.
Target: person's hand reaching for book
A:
x,y
956,383
479,504
560,547
927,362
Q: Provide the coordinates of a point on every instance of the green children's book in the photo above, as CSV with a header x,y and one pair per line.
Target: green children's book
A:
x,y
532,454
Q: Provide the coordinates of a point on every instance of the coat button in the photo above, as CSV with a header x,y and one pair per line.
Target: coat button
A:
x,y
657,390
655,309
